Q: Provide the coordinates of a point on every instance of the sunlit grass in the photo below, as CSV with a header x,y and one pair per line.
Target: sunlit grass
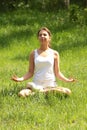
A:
x,y
18,37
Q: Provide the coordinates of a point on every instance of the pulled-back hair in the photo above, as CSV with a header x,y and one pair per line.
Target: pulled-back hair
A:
x,y
45,29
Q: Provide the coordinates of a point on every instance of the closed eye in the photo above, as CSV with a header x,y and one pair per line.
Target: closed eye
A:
x,y
42,34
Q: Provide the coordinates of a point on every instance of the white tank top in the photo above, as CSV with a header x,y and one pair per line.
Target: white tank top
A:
x,y
44,69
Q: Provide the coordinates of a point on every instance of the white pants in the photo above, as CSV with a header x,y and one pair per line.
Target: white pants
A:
x,y
34,87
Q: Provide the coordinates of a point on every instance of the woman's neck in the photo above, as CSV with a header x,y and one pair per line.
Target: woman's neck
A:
x,y
44,48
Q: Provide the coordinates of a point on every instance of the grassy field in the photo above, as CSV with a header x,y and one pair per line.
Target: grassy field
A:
x,y
18,37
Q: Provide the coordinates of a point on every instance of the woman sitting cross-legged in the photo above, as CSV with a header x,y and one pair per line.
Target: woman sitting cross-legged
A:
x,y
44,68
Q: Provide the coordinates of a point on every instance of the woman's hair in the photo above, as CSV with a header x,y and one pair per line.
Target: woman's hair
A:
x,y
45,29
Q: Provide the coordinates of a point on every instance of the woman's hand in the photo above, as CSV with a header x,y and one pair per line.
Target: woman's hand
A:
x,y
17,79
71,80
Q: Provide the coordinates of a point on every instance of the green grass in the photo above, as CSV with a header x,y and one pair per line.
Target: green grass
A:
x,y
40,112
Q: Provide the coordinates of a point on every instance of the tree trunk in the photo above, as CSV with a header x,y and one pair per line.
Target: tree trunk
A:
x,y
85,3
67,3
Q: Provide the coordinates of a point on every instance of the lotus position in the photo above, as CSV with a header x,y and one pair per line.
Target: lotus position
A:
x,y
44,68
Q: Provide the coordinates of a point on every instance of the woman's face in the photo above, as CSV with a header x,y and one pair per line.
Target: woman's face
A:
x,y
44,36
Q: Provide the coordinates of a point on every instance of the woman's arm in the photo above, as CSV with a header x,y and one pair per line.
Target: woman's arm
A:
x,y
30,72
57,72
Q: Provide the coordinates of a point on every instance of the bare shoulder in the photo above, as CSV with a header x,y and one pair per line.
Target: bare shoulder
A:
x,y
56,54
32,54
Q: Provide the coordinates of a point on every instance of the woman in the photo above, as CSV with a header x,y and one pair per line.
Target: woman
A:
x,y
44,67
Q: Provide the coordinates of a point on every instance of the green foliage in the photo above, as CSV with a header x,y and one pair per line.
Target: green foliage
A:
x,y
85,16
42,112
81,3
74,10
77,15
41,5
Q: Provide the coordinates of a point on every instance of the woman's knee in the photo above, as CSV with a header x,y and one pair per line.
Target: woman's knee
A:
x,y
64,90
24,93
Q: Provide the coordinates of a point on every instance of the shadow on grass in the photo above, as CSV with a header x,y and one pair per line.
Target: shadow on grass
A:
x,y
6,39
31,20
16,26
21,57
70,46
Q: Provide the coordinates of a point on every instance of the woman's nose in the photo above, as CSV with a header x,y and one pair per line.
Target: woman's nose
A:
x,y
42,35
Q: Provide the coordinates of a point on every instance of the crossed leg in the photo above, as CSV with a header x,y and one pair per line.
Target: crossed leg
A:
x,y
58,90
27,92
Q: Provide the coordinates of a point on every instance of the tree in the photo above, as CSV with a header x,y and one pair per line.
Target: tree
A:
x,y
67,3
